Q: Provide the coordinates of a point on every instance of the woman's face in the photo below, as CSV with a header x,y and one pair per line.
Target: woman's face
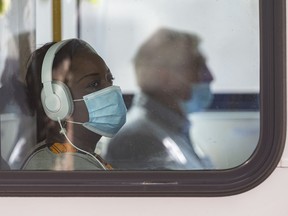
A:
x,y
88,73
84,74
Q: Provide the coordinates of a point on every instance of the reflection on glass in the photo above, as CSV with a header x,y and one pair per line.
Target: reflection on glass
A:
x,y
223,132
17,38
228,131
174,81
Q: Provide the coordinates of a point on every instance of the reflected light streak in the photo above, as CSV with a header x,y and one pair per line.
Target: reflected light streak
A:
x,y
174,150
17,150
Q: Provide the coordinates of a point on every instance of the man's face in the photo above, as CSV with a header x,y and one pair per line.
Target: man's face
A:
x,y
184,73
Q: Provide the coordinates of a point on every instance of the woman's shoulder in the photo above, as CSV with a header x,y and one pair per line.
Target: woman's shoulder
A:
x,y
40,159
43,159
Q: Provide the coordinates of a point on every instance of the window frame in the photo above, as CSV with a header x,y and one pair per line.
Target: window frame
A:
x,y
188,183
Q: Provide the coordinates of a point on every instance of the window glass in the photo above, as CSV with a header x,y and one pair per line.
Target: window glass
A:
x,y
17,38
194,89
219,73
228,129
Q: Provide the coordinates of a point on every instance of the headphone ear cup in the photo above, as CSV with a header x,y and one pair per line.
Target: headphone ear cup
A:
x,y
60,104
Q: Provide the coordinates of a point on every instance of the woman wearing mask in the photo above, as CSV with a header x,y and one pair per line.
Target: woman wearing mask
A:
x,y
71,89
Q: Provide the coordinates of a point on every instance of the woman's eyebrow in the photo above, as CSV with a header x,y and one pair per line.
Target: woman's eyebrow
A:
x,y
88,75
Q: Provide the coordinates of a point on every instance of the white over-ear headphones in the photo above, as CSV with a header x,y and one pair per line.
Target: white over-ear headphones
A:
x,y
55,96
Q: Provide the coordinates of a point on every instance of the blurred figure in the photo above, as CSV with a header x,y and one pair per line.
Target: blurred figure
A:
x,y
174,81
71,89
15,113
16,138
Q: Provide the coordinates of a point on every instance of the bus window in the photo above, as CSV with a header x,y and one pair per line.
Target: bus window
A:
x,y
228,129
202,82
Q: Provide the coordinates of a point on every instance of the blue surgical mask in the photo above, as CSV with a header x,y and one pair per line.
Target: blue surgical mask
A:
x,y
201,98
107,111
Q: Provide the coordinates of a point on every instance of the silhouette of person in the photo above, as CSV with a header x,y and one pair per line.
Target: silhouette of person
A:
x,y
174,81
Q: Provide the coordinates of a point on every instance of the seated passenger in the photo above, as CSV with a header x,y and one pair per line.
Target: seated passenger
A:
x,y
71,89
174,80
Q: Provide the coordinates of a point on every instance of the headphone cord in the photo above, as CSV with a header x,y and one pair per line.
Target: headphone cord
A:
x,y
63,131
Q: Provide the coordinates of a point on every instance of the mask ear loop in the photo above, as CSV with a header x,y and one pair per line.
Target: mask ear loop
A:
x,y
63,131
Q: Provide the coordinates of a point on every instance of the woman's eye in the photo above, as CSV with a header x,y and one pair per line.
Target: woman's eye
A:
x,y
94,84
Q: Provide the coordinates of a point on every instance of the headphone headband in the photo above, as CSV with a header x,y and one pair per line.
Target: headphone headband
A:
x,y
46,71
55,96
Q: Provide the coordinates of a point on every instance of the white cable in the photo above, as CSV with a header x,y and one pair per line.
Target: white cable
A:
x,y
63,131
